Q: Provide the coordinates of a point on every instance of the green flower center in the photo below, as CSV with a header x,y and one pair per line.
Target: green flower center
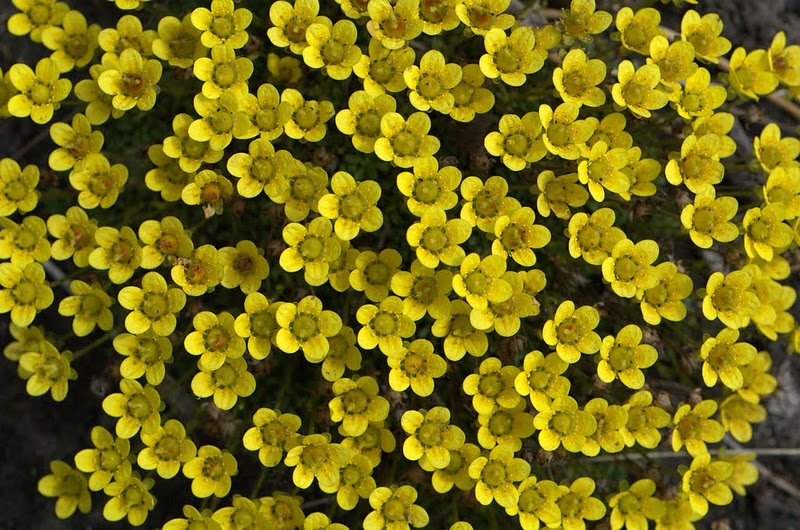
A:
x,y
494,474
266,119
25,293
304,326
570,331
461,327
425,290
589,237
724,299
656,296
40,93
384,324
225,75
382,71
457,462
477,282
562,422
182,47
620,358
155,305
430,434
91,305
133,496
575,83
507,60
311,248
517,144
427,191
635,36
273,433
52,368
487,204
758,231
148,351
307,116
429,87
167,449
703,220
462,94
529,501
634,94
296,29
217,339
263,324
332,52
243,518
570,505
221,121
139,407
213,468
76,46
39,14
434,239
101,184
512,237
491,385
413,364
355,401
692,103
192,149
225,376
377,273
110,459
351,475
167,244
501,423
25,239
314,456
626,269
222,27
539,379
303,188
405,143
368,123
558,134
352,206
16,191
394,510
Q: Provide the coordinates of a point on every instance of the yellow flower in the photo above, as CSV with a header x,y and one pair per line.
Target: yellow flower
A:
x,y
24,292
260,170
675,61
311,248
214,340
497,475
375,441
332,48
362,118
469,96
705,481
423,290
90,305
698,99
193,517
24,243
373,272
480,281
69,486
518,140
512,57
283,70
144,355
765,232
241,509
178,41
209,188
457,471
200,272
282,511
737,415
486,202
352,206
563,134
480,16
382,68
394,509
316,457
561,422
629,268
429,187
623,357
225,383
342,353
257,324
611,419
211,471
774,152
222,24
709,219
153,306
320,521
35,16
722,358
306,184
638,89
74,233
577,78
558,194
505,427
578,504
98,182
638,29
217,118
611,131
693,427
581,21
492,387
415,365
243,266
18,187
730,298
537,503
571,331
431,83
384,326
634,506
272,434
593,237
750,73
132,82
356,403
644,420
165,239
405,142
757,381
137,408
785,60
355,483
308,117
166,449
290,23
40,92
704,33
223,71
75,143
167,177
118,252
73,43
541,378
460,336
394,25
306,325
50,371
106,461
127,34
438,16
698,164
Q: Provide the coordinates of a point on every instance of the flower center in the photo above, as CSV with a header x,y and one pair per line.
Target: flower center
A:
x,y
626,269
570,331
562,422
222,27
620,358
307,116
429,87
425,290
122,251
394,510
427,191
304,326
225,75
517,144
225,376
384,324
394,27
434,239
355,401
352,206
494,474
369,123
413,364
311,248
139,407
148,351
40,93
703,220
491,385
263,324
303,188
377,273
155,305
507,60
333,52
758,231
110,459
16,191
405,143
167,449
477,282
217,339
430,434
462,94
221,121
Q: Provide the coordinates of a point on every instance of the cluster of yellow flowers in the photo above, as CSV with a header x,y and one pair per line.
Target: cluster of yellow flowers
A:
x,y
564,172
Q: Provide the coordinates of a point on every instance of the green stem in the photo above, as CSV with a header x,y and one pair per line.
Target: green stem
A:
x,y
97,342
